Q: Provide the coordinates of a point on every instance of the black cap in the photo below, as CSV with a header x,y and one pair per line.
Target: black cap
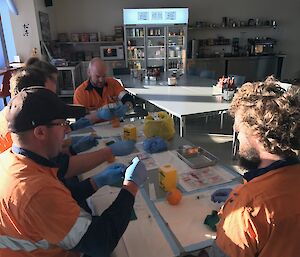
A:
x,y
36,106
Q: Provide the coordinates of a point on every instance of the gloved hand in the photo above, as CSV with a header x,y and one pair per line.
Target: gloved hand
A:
x,y
110,176
220,195
81,123
154,145
104,113
136,172
121,148
120,110
80,144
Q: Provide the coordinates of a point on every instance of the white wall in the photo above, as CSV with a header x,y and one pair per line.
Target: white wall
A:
x,y
40,7
24,44
101,16
29,14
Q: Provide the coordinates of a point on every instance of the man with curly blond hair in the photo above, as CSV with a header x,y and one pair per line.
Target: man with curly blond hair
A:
x,y
261,218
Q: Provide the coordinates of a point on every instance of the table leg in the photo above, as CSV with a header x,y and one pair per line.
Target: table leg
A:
x,y
73,79
182,126
234,144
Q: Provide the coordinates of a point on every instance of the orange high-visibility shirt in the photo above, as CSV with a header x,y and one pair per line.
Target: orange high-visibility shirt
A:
x,y
35,207
88,97
5,138
262,217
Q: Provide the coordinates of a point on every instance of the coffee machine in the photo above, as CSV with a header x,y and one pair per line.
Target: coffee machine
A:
x,y
261,46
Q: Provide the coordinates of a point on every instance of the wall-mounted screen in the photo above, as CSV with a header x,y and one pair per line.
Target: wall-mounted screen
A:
x,y
156,16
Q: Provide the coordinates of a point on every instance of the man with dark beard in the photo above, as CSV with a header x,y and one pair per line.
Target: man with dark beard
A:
x,y
261,218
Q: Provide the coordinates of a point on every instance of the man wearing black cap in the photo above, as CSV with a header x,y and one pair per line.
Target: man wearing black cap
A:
x,y
38,215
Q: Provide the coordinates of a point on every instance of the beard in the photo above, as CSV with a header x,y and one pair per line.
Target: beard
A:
x,y
249,159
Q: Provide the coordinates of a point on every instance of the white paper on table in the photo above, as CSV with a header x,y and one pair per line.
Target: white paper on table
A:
x,y
170,157
105,129
204,177
103,198
212,175
143,236
186,219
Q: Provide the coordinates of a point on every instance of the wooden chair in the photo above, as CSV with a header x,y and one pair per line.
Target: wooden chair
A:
x,y
5,86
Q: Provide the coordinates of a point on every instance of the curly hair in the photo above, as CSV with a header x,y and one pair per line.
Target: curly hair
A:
x,y
272,112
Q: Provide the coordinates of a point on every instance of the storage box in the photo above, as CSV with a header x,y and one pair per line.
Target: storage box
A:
x,y
75,37
93,37
84,37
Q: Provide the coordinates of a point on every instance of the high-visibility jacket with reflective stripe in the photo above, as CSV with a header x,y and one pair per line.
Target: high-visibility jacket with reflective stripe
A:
x,y
38,216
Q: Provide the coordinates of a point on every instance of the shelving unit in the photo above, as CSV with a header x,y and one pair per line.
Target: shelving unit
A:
x,y
162,46
89,42
227,27
228,37
82,51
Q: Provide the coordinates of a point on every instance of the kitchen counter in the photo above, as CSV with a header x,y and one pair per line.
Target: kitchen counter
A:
x,y
253,68
238,57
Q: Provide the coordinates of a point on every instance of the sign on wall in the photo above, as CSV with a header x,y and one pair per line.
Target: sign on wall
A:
x,y
156,16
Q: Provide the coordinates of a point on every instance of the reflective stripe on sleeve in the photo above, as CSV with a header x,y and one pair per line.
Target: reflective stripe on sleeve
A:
x,y
77,231
122,93
70,241
16,244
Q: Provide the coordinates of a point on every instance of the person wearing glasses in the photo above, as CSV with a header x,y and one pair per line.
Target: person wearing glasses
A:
x,y
76,164
38,215
41,73
102,94
79,144
261,217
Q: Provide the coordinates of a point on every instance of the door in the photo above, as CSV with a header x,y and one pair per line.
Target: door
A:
x,y
176,48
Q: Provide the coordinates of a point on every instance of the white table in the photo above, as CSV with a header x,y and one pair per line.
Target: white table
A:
x,y
182,101
161,229
192,96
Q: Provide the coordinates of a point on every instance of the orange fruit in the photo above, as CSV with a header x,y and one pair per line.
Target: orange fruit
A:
x,y
174,196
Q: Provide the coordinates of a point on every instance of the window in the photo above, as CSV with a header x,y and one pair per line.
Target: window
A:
x,y
3,52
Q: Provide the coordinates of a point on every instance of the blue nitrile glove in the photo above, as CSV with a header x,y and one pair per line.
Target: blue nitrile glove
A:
x,y
121,148
104,113
136,172
80,144
120,110
221,195
110,176
81,123
154,145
